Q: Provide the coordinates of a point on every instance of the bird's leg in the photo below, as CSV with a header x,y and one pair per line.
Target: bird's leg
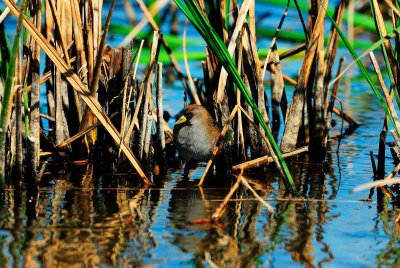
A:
x,y
188,166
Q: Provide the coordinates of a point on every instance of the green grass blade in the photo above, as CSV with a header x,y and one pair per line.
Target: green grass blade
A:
x,y
195,15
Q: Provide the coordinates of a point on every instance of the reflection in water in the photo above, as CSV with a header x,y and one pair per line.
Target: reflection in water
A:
x,y
233,243
76,221
389,256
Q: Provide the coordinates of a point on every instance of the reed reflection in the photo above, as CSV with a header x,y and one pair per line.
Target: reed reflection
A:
x,y
306,219
69,226
387,221
231,243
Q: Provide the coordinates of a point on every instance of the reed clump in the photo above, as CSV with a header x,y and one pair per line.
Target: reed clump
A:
x,y
98,109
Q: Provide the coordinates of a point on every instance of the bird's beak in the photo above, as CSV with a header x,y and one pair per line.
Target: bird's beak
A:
x,y
181,120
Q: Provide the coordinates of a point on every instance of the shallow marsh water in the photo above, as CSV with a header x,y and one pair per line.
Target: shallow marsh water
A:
x,y
76,220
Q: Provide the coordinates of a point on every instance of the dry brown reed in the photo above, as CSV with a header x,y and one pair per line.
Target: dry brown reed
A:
x,y
95,99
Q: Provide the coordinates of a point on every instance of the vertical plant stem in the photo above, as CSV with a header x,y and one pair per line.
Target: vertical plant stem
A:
x,y
143,126
96,70
8,94
34,114
33,141
88,19
239,136
381,157
319,102
373,164
278,95
16,166
295,112
160,119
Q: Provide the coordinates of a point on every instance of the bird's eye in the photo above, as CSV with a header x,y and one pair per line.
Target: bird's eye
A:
x,y
189,115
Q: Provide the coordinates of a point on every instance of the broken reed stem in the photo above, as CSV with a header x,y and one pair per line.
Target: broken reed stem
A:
x,y
373,164
382,160
266,160
160,111
144,124
147,138
217,146
137,61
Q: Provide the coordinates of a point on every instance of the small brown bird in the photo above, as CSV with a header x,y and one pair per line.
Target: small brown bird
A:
x,y
195,134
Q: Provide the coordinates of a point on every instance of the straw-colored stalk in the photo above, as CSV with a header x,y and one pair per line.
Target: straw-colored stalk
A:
x,y
295,113
34,123
82,89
